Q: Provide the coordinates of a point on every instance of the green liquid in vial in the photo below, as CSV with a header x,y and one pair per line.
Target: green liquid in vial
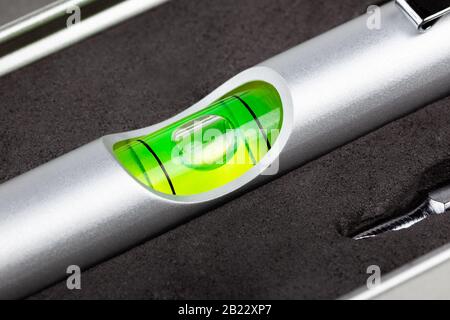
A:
x,y
210,148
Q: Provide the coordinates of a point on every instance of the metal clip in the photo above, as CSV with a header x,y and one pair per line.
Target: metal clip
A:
x,y
424,13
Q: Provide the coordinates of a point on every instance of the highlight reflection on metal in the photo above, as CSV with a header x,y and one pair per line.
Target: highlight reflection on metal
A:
x,y
420,279
76,33
38,18
424,13
437,202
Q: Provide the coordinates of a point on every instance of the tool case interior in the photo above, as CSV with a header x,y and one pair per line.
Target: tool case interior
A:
x,y
289,239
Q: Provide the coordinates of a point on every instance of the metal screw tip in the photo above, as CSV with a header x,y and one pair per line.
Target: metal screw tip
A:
x,y
403,222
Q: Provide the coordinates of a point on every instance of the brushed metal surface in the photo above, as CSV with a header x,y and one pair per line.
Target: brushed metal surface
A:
x,y
422,279
37,18
14,9
69,36
75,210
352,80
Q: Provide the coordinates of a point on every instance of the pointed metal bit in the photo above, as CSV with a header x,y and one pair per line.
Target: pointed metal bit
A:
x,y
406,221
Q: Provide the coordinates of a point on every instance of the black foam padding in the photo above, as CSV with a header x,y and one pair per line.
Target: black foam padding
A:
x,y
286,239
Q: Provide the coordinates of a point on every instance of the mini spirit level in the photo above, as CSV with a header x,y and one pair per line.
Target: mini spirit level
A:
x,y
122,189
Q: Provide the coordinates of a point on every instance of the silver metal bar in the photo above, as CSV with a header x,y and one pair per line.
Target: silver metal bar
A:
x,y
422,279
74,34
14,9
38,18
424,13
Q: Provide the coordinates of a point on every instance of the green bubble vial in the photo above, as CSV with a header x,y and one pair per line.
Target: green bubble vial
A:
x,y
209,148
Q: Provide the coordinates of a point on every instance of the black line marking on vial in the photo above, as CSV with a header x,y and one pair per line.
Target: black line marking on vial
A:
x,y
140,164
261,128
240,133
160,165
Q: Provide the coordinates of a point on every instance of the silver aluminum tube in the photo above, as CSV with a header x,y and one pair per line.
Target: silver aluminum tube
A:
x,y
38,18
84,207
69,36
